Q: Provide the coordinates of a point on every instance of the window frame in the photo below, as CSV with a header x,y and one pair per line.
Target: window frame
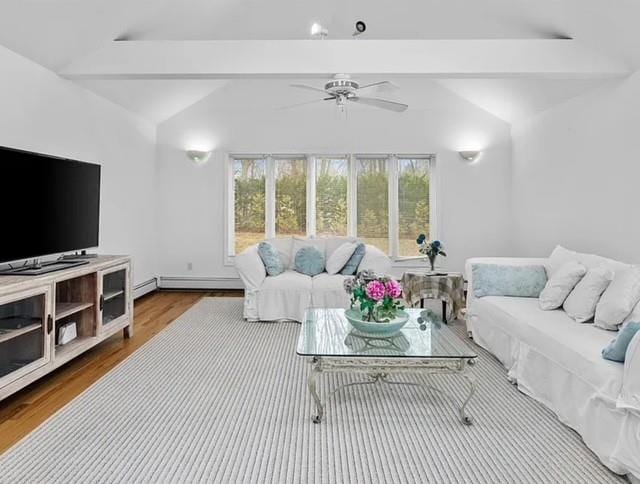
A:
x,y
393,169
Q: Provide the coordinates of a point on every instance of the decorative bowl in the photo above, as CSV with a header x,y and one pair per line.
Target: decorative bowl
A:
x,y
354,316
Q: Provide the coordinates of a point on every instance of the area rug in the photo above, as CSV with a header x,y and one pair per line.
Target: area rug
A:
x,y
216,399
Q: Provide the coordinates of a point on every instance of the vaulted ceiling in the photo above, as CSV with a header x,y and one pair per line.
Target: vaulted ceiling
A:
x,y
57,33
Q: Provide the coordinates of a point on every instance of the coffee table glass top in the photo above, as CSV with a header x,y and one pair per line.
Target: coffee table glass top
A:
x,y
326,332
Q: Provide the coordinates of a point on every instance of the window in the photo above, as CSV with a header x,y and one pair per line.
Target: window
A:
x,y
373,202
385,200
249,202
413,203
291,196
331,195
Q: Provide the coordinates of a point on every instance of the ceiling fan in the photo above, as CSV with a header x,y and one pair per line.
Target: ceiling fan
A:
x,y
342,89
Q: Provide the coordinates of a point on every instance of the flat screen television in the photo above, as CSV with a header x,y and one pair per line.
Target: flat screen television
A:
x,y
49,205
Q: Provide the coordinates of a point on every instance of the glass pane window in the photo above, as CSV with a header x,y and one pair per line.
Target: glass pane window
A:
x,y
291,196
413,203
249,202
331,196
373,202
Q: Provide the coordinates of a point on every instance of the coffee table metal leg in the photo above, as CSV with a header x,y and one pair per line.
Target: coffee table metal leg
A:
x,y
464,418
312,384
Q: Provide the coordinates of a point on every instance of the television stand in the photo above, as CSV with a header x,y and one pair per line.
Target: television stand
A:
x,y
40,268
47,320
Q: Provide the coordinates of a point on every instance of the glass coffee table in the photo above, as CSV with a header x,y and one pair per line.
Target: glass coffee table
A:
x,y
425,346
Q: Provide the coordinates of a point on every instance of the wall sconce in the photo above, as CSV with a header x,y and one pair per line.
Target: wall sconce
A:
x,y
469,155
198,157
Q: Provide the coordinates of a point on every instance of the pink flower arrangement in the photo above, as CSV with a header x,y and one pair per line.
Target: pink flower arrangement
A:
x,y
376,290
394,289
378,298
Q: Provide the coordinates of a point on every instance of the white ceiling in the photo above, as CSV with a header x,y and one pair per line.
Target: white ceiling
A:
x,y
56,32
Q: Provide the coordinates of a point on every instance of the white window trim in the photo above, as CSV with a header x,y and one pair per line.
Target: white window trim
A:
x,y
352,198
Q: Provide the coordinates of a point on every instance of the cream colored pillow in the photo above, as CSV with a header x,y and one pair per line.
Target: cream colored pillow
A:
x,y
619,299
560,285
339,258
581,303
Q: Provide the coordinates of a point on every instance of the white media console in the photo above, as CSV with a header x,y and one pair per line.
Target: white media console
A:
x,y
87,304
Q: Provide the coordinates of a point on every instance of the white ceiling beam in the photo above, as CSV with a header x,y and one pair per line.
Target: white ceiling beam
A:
x,y
229,59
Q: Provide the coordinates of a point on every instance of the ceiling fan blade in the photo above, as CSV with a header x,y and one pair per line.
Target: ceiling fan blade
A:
x,y
388,84
291,106
380,103
309,88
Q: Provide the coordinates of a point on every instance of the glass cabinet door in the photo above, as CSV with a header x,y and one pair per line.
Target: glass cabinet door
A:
x,y
113,301
25,324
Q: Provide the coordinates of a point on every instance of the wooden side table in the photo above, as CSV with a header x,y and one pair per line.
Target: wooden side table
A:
x,y
449,287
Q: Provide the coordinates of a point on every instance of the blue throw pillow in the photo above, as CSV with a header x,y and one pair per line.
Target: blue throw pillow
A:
x,y
352,264
309,261
270,258
617,349
505,280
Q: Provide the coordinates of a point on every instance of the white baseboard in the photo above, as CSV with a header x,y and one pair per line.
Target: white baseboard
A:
x,y
171,282
145,288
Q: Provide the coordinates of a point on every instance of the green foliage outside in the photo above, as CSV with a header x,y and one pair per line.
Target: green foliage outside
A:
x,y
331,201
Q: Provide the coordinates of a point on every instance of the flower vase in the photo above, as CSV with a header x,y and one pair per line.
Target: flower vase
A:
x,y
432,262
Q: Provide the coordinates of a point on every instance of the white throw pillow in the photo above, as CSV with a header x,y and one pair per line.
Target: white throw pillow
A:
x,y
339,258
560,285
619,299
581,303
561,256
332,242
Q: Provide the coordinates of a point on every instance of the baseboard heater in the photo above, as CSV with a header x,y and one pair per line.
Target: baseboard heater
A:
x,y
208,283
145,287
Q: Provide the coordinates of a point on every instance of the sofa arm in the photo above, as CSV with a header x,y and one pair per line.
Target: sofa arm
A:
x,y
251,268
630,394
375,260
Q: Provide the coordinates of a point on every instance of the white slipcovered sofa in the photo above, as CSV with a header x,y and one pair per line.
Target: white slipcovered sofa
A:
x,y
288,295
558,362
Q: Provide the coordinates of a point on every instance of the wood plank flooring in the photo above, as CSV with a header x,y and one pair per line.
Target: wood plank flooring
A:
x,y
24,411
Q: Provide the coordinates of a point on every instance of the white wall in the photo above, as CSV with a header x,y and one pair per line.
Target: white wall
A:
x,y
41,112
474,199
576,175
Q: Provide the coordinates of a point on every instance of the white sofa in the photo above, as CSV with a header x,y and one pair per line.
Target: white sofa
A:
x,y
558,362
288,295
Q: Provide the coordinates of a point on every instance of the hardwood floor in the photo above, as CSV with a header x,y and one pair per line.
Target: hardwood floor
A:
x,y
24,411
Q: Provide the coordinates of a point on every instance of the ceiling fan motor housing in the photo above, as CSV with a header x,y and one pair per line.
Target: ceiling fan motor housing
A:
x,y
344,86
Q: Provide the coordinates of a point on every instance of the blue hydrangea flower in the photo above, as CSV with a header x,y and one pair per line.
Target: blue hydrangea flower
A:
x,y
421,238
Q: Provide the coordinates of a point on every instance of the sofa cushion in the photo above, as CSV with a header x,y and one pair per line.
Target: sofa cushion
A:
x,y
285,296
329,292
575,347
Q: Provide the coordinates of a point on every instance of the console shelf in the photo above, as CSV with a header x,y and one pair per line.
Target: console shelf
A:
x,y
6,335
95,297
64,310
